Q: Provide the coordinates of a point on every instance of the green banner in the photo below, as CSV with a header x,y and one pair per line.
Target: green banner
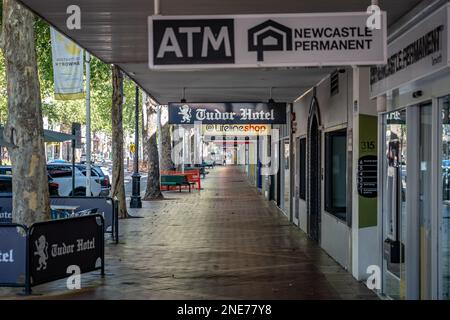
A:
x,y
367,171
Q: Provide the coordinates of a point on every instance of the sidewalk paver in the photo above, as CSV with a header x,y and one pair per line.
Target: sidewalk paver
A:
x,y
223,242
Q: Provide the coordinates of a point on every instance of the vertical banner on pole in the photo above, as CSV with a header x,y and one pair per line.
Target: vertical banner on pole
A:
x,y
67,67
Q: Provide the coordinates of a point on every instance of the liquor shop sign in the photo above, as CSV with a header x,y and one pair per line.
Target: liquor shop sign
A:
x,y
227,113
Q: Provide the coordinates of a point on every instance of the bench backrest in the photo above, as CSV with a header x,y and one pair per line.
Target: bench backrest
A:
x,y
174,178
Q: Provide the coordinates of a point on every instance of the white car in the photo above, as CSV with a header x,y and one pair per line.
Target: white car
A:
x,y
62,174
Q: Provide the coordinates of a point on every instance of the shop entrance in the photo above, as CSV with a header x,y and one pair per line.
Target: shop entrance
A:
x,y
296,214
394,201
406,202
314,176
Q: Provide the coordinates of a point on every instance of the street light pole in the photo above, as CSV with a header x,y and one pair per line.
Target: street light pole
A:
x,y
135,201
88,124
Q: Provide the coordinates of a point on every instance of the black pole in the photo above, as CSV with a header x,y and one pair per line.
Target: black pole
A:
x,y
27,289
73,167
136,177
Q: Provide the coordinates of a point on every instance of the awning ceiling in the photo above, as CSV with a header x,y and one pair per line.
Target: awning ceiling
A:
x,y
116,32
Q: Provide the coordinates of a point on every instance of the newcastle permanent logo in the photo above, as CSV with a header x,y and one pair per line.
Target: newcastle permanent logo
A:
x,y
269,36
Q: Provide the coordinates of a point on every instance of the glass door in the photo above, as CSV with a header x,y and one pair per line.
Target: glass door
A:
x,y
425,201
407,206
444,216
394,165
296,193
287,177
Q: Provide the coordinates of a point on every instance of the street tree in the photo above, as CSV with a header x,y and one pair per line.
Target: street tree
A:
x,y
118,187
24,128
153,190
166,142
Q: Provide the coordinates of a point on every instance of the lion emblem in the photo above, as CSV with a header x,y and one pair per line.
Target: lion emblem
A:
x,y
42,252
185,112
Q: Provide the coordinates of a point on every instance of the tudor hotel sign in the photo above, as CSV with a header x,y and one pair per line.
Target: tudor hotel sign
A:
x,y
227,113
177,42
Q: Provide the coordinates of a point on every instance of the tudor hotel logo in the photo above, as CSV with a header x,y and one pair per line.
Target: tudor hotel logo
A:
x,y
269,36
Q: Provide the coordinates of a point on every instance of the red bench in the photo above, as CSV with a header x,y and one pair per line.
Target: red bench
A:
x,y
193,175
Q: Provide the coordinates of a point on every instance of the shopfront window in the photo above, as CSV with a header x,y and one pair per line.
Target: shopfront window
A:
x,y
287,176
336,173
302,168
444,223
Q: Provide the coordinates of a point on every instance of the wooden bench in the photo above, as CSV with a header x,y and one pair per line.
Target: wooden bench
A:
x,y
200,168
175,180
193,176
209,165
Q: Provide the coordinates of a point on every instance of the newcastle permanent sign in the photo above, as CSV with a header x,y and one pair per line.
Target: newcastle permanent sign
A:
x,y
177,42
419,52
227,113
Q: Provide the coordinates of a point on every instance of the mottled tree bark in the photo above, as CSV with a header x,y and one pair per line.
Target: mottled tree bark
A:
x,y
166,142
24,127
153,190
118,186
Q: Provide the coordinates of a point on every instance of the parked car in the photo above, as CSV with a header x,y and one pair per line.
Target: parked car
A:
x,y
62,174
57,161
97,171
6,183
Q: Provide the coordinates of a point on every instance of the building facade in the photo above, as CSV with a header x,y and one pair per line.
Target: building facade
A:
x,y
364,162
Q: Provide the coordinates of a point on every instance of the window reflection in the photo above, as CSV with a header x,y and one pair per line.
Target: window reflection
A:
x,y
445,222
394,202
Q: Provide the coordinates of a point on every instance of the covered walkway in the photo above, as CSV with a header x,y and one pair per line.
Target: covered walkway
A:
x,y
224,242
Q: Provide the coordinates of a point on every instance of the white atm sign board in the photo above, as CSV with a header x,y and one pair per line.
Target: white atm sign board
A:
x,y
246,41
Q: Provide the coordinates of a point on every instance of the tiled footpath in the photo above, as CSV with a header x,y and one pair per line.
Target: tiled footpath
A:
x,y
223,242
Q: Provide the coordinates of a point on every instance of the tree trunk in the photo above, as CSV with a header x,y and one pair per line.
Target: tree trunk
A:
x,y
153,190
166,143
24,127
118,186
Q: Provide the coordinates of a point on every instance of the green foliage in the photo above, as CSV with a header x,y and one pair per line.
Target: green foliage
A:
x,y
66,112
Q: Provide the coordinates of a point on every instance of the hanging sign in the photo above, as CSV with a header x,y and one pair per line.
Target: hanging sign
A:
x,y
227,113
236,130
68,69
419,52
76,131
314,39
